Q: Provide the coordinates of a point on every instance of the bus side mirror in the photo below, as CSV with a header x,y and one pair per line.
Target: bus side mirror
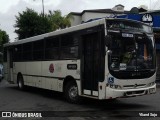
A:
x,y
108,40
109,52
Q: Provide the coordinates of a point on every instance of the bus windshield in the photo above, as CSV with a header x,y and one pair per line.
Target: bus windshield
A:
x,y
132,53
125,25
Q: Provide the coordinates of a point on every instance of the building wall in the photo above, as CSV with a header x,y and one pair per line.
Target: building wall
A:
x,y
88,15
118,8
76,20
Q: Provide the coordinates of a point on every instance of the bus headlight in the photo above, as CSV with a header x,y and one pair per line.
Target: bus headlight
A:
x,y
114,86
152,90
151,84
111,86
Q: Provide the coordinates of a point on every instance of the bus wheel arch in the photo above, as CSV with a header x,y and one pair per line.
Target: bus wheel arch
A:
x,y
20,81
70,90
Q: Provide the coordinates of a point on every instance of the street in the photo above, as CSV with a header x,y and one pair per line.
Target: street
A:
x,y
34,99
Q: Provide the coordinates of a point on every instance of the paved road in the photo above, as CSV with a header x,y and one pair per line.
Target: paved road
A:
x,y
33,99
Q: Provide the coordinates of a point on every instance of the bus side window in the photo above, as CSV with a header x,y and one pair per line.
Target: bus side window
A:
x,y
27,51
52,48
38,50
5,55
17,53
69,47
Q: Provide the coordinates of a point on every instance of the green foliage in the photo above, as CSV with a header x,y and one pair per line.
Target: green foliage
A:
x,y
58,21
29,23
4,38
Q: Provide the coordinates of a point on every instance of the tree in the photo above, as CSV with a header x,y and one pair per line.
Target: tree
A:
x,y
4,38
58,21
29,23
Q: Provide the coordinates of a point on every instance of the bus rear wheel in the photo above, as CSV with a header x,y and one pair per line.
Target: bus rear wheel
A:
x,y
20,82
71,92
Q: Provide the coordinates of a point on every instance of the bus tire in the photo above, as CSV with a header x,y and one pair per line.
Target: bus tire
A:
x,y
20,82
71,92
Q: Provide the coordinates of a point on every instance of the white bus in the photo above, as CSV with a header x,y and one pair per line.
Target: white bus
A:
x,y
102,59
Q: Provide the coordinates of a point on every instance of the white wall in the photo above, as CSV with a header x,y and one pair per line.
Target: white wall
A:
x,y
76,20
87,16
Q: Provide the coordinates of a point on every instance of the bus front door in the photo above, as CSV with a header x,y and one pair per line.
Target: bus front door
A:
x,y
92,63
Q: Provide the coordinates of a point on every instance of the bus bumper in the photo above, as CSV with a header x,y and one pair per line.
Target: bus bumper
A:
x,y
119,93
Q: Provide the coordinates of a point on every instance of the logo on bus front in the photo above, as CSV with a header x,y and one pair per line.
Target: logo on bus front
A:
x,y
51,68
110,80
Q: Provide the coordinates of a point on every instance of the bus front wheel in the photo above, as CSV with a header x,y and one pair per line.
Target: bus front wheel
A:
x,y
71,92
20,82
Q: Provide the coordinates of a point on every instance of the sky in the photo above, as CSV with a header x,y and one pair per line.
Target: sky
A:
x,y
10,8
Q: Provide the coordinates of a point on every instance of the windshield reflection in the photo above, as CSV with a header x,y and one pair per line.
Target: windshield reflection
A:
x,y
133,52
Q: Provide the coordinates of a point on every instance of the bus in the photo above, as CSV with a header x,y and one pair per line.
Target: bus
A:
x,y
107,58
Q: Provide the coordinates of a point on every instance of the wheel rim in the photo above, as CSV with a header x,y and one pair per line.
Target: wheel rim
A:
x,y
20,84
73,91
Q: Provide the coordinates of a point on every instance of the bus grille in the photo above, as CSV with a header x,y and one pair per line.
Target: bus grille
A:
x,y
134,86
135,93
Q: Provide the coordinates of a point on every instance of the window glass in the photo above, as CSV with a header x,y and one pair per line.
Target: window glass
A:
x,y
27,51
68,40
52,48
69,52
120,24
69,46
52,42
38,50
5,55
17,53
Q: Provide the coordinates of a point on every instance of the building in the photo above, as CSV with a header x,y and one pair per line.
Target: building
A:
x,y
89,15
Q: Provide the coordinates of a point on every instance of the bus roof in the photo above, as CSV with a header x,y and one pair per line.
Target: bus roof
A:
x,y
66,30
57,32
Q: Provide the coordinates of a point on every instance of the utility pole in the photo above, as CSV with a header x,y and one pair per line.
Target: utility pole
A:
x,y
43,7
43,14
